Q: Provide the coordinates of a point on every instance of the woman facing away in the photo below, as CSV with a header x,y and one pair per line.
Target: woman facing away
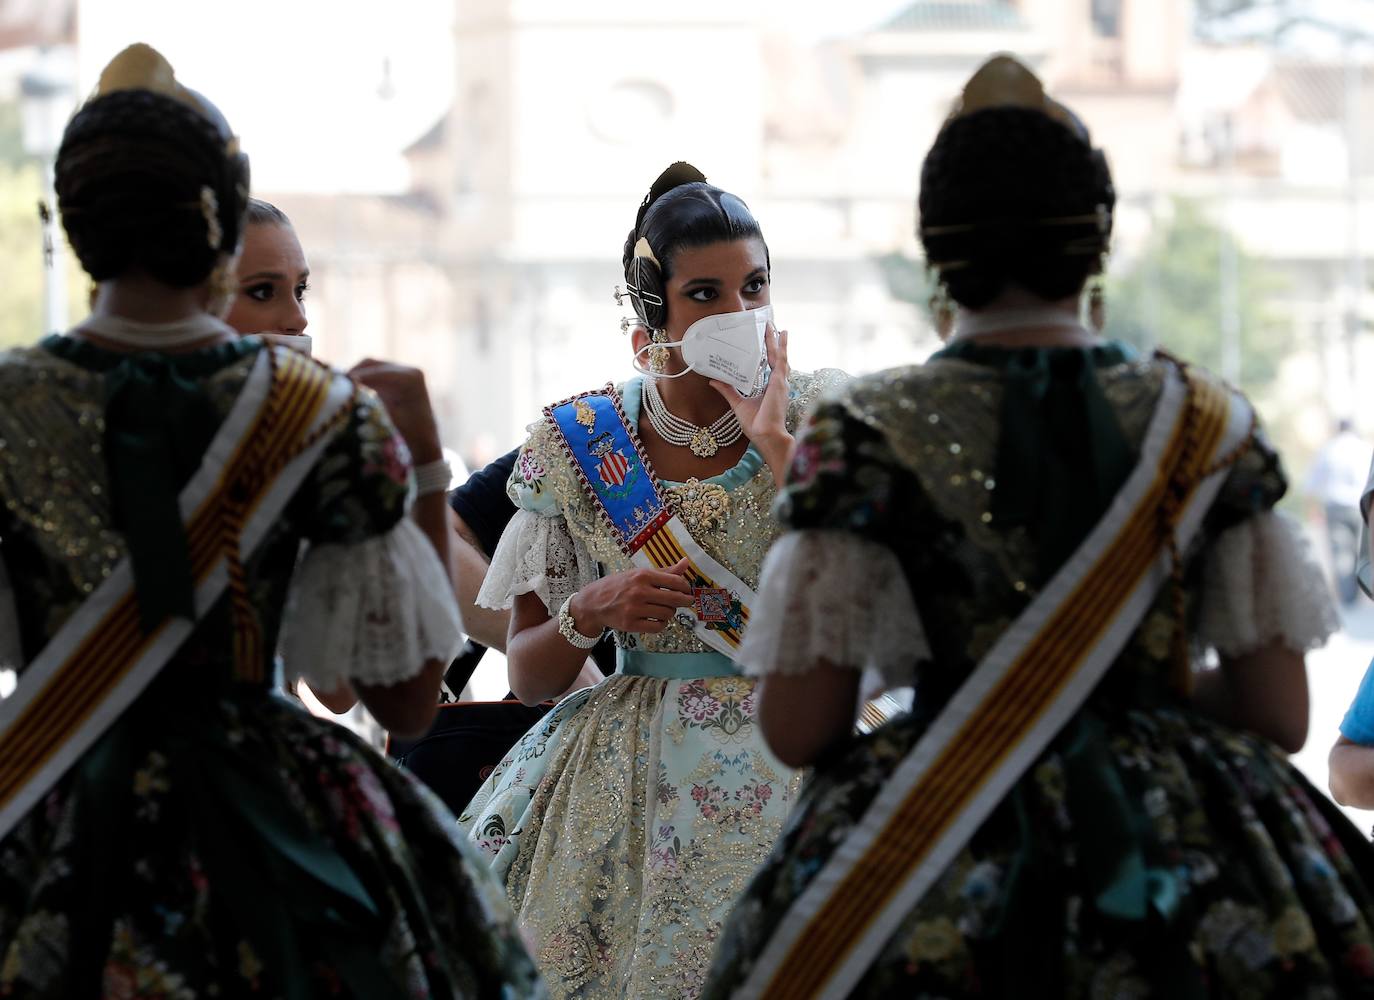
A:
x,y
169,826
625,824
1046,532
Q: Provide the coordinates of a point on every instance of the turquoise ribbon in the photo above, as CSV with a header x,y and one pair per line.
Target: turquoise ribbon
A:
x,y
1113,832
671,666
158,423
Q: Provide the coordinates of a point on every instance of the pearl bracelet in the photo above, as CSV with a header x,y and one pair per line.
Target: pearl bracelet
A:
x,y
567,628
433,477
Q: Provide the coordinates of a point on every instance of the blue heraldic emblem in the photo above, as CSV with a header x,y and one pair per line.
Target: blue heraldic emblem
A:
x,y
611,465
616,472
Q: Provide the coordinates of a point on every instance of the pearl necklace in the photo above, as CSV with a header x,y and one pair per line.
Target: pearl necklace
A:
x,y
722,432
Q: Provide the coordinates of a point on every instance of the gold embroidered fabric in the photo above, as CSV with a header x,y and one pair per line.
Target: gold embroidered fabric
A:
x,y
626,824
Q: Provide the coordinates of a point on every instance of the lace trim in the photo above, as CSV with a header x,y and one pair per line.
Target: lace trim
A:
x,y
1261,583
374,612
538,554
835,596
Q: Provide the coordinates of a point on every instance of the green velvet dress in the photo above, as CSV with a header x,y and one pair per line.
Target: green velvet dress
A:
x,y
1150,851
217,841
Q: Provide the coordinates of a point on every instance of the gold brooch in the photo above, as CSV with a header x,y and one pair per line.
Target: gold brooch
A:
x,y
702,506
586,416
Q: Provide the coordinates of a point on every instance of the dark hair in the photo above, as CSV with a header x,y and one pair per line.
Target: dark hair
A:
x,y
132,175
1012,196
681,210
264,212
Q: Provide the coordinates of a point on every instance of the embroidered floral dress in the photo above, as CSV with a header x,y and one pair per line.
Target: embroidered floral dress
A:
x,y
218,841
626,823
1150,851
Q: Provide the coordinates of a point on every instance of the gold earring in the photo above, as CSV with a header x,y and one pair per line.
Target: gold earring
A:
x,y
658,355
942,311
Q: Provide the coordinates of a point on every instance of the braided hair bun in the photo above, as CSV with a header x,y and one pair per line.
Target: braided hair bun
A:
x,y
1010,195
681,210
149,178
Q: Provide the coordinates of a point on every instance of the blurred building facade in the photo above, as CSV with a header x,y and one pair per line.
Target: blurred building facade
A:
x,y
494,271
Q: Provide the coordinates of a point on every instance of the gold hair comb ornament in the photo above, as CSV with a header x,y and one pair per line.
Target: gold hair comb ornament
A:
x,y
1005,82
142,67
209,209
642,249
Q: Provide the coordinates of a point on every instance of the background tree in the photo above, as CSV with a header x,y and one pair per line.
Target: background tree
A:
x,y
1170,297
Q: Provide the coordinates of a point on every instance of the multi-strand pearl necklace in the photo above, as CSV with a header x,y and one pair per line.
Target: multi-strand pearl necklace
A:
x,y
722,432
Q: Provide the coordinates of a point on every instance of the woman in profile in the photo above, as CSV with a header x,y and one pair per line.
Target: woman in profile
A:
x,y
627,821
1045,532
169,826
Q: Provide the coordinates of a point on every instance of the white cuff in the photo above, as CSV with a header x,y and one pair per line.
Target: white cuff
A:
x,y
1261,583
374,612
833,596
536,553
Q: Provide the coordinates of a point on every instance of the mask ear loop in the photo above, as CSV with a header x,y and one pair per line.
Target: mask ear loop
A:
x,y
649,373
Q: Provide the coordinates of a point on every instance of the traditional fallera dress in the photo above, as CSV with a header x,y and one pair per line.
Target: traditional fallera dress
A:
x,y
1148,850
627,822
216,840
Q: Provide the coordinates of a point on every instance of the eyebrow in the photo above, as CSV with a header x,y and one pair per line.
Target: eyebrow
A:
x,y
271,275
717,283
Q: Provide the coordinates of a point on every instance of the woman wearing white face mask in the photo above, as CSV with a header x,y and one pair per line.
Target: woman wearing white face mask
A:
x,y
629,819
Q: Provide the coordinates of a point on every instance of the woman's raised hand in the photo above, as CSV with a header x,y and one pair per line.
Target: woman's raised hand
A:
x,y
637,600
402,391
764,417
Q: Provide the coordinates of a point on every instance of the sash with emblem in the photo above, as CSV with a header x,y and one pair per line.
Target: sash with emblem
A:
x,y
102,658
1028,686
616,475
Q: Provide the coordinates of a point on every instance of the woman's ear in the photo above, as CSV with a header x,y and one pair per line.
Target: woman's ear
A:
x,y
639,337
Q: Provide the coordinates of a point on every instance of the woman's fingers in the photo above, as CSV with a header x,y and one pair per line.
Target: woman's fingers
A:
x,y
730,393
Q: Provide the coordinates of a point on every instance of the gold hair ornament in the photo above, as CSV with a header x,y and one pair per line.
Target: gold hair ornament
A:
x,y
209,208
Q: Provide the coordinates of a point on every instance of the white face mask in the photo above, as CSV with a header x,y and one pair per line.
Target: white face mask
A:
x,y
728,347
296,341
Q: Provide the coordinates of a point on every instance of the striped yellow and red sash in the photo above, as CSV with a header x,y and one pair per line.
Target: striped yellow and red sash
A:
x,y
617,477
1022,693
101,659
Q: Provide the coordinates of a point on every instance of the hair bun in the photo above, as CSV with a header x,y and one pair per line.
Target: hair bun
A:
x,y
676,175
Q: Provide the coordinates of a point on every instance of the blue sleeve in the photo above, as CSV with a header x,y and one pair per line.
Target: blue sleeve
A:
x,y
1358,724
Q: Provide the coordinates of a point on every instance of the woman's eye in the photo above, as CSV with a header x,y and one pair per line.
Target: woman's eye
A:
x,y
702,294
301,289
259,293
756,286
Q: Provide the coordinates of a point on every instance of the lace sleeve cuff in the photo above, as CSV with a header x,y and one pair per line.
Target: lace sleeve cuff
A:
x,y
373,611
536,554
833,596
1261,583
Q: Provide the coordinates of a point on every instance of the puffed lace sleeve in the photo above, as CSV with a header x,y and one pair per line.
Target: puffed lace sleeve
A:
x,y
1261,584
835,596
537,553
831,588
370,601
